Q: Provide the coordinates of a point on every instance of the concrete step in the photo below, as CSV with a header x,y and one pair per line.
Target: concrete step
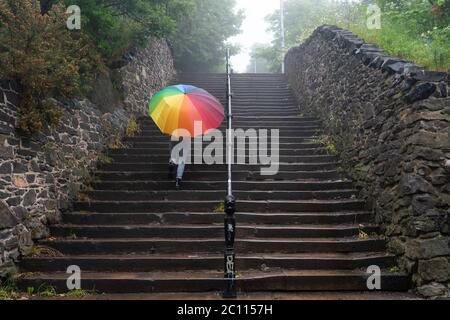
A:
x,y
203,231
164,157
258,119
161,166
214,185
212,245
207,281
304,137
218,195
213,175
210,205
150,143
208,218
284,131
164,151
171,262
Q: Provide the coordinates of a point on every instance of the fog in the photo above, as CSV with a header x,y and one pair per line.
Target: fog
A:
x,y
253,29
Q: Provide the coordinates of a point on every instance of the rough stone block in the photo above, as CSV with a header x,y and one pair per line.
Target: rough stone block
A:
x,y
437,269
7,219
433,289
420,92
430,76
427,248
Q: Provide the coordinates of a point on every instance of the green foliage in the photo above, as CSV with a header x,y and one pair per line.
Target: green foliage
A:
x,y
49,61
418,31
328,143
47,291
200,38
301,18
116,26
132,128
104,159
52,62
9,291
220,208
394,269
258,63
80,293
415,30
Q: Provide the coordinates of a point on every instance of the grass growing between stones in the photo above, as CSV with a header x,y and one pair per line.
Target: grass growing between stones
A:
x,y
394,269
80,293
83,197
47,291
132,128
104,159
328,143
116,143
42,251
220,208
8,291
362,235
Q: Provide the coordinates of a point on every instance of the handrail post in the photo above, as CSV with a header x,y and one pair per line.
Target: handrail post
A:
x,y
230,202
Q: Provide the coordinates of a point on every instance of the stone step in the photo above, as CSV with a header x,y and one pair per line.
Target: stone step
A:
x,y
218,195
256,87
171,262
263,124
293,130
258,114
218,87
207,281
164,139
215,185
306,144
210,205
264,118
284,158
208,218
275,101
211,245
210,231
150,135
212,175
161,166
164,151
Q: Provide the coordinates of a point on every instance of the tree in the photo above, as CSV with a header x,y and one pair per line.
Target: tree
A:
x,y
259,61
301,17
116,26
417,30
46,58
200,38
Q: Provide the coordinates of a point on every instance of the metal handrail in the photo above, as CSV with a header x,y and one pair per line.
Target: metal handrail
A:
x,y
230,201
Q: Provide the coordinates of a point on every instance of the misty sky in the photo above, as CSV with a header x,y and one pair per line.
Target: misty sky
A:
x,y
253,29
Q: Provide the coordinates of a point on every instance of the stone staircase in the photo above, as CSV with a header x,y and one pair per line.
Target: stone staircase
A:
x,y
299,230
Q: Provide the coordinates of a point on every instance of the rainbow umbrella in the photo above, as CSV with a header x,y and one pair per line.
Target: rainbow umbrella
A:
x,y
179,107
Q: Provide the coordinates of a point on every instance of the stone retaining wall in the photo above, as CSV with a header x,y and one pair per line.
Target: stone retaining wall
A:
x,y
41,175
390,121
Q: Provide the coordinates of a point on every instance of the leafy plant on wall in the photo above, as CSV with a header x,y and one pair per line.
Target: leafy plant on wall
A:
x,y
415,30
49,61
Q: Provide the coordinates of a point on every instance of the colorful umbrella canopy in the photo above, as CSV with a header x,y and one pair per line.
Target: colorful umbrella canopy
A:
x,y
179,107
